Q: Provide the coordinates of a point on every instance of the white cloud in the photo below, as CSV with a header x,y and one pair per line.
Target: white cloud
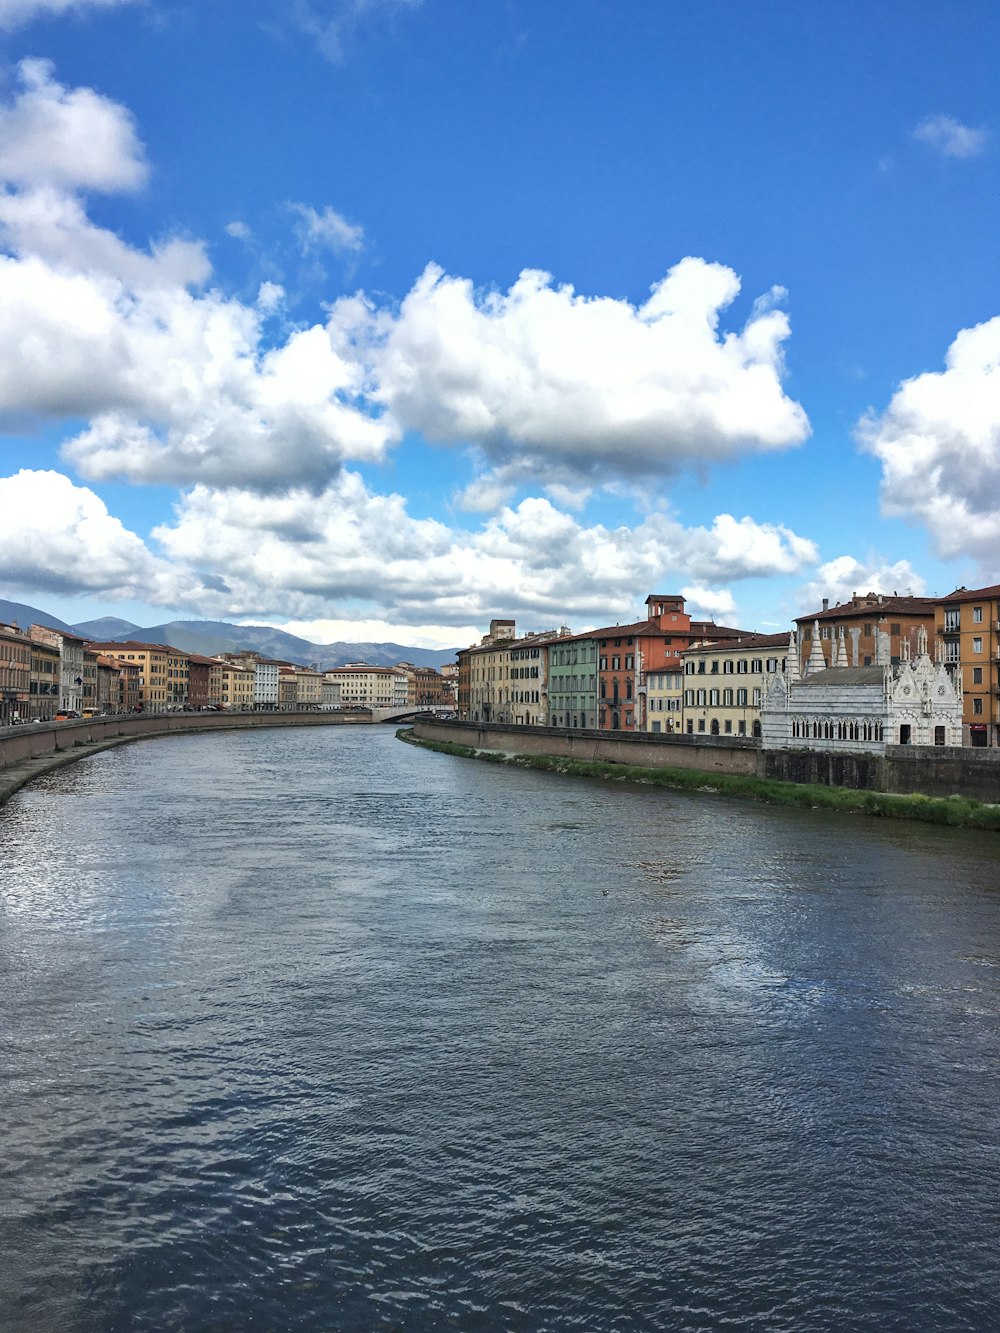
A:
x,y
716,604
238,230
59,538
333,23
328,230
939,445
177,386
381,631
72,139
950,137
15,13
309,555
839,579
562,389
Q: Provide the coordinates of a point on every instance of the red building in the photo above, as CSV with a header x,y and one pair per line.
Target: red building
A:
x,y
628,653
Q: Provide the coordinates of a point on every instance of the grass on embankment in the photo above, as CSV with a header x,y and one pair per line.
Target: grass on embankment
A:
x,y
954,810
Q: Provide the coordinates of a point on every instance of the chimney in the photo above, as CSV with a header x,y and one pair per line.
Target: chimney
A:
x,y
826,603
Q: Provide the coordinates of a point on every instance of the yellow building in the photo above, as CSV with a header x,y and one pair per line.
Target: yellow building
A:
x,y
664,696
724,683
508,678
15,675
236,686
968,623
364,686
163,674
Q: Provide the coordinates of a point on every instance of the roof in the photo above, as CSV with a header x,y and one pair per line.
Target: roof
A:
x,y
136,646
973,594
869,675
859,608
745,639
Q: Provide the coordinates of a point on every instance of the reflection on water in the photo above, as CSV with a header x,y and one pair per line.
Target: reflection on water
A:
x,y
313,1030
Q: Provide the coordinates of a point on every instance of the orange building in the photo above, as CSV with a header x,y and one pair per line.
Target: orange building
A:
x,y
627,654
861,620
967,622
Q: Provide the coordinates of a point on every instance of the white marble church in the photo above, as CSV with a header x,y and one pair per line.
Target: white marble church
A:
x,y
861,709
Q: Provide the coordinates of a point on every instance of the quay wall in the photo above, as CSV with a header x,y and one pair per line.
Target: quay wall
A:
x,y
901,770
704,754
38,740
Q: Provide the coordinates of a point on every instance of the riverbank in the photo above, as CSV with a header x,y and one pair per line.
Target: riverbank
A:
x,y
28,752
956,811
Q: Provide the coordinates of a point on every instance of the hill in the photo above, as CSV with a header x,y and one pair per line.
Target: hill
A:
x,y
17,613
210,637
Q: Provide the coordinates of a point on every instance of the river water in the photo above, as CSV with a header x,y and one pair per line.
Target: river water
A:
x,y
314,1030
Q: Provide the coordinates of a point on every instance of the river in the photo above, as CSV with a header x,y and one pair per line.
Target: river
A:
x,y
314,1030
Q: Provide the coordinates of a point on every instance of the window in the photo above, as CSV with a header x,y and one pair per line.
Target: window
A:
x,y
713,698
866,630
701,698
894,629
727,668
728,727
939,735
715,666
977,645
629,662
741,667
604,664
977,675
756,666
701,667
741,698
977,615
701,724
977,706
689,698
727,698
616,663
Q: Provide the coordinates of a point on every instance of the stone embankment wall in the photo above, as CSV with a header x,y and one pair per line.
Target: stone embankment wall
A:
x,y
901,769
705,754
35,741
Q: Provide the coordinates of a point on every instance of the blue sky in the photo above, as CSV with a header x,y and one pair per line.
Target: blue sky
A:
x,y
379,318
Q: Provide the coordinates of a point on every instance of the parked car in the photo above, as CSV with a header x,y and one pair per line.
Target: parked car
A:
x,y
66,714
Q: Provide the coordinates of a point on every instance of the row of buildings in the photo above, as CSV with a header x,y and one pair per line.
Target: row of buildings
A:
x,y
46,671
878,669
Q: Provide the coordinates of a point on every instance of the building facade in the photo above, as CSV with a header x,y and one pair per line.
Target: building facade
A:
x,y
859,623
15,675
863,709
724,683
572,681
967,623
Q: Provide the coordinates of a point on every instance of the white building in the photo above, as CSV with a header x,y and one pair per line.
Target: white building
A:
x,y
265,684
863,709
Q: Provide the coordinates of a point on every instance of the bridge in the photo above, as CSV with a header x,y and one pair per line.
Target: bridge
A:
x,y
410,713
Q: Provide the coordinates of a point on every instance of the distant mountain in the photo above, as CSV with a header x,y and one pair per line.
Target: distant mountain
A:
x,y
210,637
108,627
17,613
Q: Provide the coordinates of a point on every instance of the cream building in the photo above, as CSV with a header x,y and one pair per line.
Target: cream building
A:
x,y
508,679
364,686
724,683
664,694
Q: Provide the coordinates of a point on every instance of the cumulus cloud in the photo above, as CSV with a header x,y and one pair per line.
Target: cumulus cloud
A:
x,y
710,604
950,137
306,555
178,385
328,230
562,388
939,445
59,538
72,139
839,579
